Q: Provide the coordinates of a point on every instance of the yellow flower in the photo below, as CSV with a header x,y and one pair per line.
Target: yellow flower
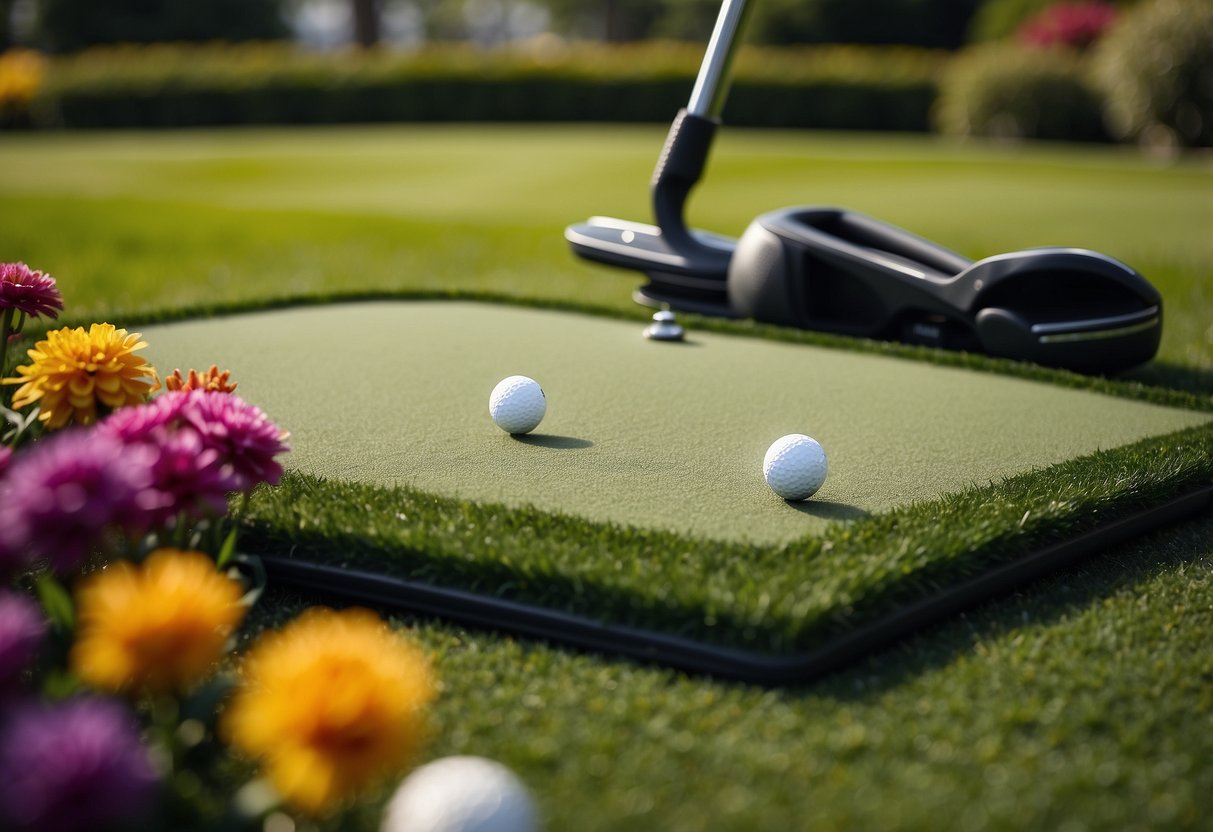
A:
x,y
159,627
73,371
21,74
332,704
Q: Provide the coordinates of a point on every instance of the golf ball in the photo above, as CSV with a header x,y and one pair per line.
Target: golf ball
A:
x,y
795,466
461,794
517,404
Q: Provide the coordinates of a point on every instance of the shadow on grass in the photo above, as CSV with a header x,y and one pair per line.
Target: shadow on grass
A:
x,y
548,440
1162,374
1046,601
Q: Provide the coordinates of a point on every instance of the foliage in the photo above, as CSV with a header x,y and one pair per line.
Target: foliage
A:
x,y
1007,91
264,84
1156,69
940,24
72,25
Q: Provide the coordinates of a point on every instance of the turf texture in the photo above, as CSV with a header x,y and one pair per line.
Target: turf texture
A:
x,y
1082,703
639,433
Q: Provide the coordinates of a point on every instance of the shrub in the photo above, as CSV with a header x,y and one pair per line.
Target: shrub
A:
x,y
1156,71
166,86
1006,91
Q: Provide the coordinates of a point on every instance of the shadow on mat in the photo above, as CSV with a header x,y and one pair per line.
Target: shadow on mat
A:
x,y
828,510
547,440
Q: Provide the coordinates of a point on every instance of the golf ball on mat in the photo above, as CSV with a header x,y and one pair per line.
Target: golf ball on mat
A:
x,y
517,404
461,794
795,466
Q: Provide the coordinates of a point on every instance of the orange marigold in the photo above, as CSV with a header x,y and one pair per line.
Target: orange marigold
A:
x,y
212,379
332,704
159,627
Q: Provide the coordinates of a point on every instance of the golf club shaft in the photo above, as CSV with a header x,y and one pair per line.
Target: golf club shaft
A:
x,y
712,85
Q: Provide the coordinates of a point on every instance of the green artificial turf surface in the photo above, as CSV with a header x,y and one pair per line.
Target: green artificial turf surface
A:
x,y
1082,703
640,433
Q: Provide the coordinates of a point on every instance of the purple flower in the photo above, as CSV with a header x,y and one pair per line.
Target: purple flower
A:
x,y
29,291
1076,24
22,628
78,765
58,500
243,435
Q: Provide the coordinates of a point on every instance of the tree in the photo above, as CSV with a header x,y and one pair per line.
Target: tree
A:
x,y
71,25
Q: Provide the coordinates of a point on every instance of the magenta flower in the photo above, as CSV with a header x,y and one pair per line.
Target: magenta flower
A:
x,y
243,435
1076,25
59,499
22,627
77,765
190,477
29,291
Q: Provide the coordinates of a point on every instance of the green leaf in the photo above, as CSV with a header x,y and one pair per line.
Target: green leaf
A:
x,y
227,549
56,603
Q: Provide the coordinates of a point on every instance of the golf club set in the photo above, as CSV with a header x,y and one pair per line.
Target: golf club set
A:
x,y
833,270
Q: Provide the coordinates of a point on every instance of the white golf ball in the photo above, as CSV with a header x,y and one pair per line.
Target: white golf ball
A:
x,y
461,794
517,404
795,466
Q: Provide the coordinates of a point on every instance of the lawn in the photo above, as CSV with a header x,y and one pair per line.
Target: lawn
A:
x,y
1083,702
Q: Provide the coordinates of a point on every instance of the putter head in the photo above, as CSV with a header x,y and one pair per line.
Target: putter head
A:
x,y
838,271
686,273
1064,307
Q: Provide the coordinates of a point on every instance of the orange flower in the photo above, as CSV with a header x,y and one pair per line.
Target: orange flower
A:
x,y
158,627
332,704
212,379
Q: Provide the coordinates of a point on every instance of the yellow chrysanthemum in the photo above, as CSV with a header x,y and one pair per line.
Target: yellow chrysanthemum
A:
x,y
21,75
332,704
73,371
159,627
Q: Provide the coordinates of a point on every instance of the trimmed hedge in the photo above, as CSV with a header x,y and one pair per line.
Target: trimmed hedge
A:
x,y
177,85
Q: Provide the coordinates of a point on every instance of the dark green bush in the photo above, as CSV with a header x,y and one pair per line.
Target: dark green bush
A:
x,y
1156,70
1009,91
167,86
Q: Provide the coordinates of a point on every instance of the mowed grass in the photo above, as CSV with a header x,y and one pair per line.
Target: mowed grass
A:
x,y
1085,702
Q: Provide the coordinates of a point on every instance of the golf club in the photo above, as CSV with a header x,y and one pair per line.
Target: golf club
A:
x,y
839,271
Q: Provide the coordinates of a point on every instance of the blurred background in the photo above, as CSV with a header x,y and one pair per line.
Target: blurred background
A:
x,y
1078,70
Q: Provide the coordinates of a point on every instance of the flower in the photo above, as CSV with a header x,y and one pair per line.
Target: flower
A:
x,y
244,436
1075,24
29,291
211,443
73,371
21,75
331,704
159,627
22,628
191,478
58,499
77,765
212,379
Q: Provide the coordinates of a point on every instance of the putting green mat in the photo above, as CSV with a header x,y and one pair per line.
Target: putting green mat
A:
x,y
666,436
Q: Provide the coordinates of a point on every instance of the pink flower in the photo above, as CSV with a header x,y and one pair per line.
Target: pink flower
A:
x,y
1076,25
29,291
243,435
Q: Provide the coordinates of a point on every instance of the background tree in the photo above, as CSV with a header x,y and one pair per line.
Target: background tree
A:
x,y
71,25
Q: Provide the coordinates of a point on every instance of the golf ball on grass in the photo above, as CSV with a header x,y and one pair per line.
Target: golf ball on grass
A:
x,y
795,466
461,794
517,404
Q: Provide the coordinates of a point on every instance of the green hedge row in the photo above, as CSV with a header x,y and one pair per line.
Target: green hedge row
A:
x,y
170,86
